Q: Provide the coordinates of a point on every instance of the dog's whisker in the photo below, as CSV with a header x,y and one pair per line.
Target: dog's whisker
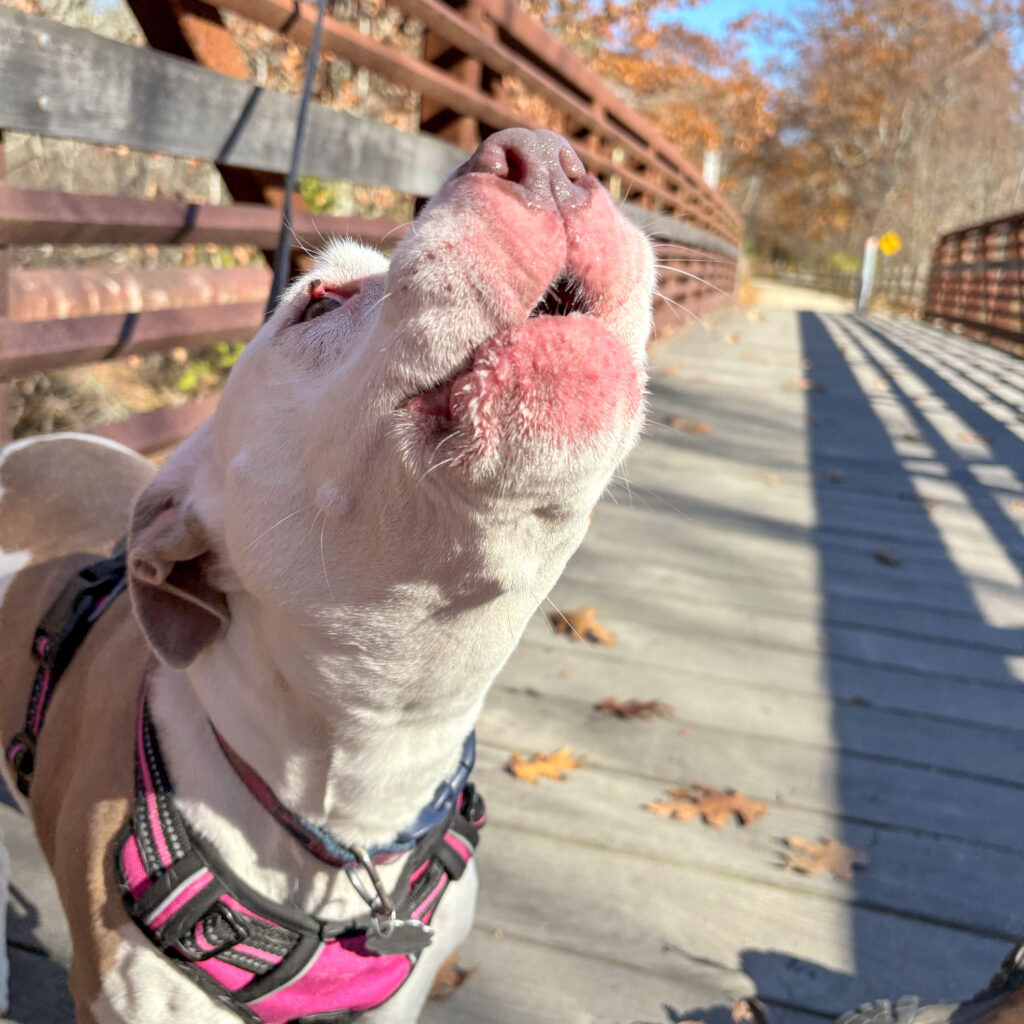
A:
x,y
695,277
323,559
447,462
284,519
561,615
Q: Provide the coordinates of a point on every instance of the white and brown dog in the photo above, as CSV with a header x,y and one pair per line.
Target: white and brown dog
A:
x,y
324,579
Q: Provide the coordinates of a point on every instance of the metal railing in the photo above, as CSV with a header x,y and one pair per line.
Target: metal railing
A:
x,y
68,83
976,285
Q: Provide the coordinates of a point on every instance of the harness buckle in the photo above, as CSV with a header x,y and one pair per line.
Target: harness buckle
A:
x,y
220,926
21,755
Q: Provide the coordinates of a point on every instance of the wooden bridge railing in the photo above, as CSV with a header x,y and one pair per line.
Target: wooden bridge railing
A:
x,y
976,283
186,94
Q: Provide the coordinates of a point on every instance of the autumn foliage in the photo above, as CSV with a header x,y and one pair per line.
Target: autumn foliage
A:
x,y
860,116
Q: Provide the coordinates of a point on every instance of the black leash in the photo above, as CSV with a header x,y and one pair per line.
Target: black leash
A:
x,y
283,253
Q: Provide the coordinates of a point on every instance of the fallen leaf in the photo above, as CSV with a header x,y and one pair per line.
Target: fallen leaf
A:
x,y
750,1011
634,708
828,855
685,733
800,384
833,476
732,337
1017,506
888,557
713,805
543,766
563,674
669,371
754,317
769,479
861,702
881,385
582,624
450,977
690,426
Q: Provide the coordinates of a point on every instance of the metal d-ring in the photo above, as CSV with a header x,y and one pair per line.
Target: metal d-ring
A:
x,y
380,904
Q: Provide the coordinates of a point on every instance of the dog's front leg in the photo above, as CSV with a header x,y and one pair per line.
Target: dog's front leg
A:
x,y
452,924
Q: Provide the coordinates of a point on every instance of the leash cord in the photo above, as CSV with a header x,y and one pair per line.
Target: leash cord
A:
x,y
283,253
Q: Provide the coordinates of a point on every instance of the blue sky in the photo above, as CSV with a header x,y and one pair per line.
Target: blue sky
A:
x,y
712,16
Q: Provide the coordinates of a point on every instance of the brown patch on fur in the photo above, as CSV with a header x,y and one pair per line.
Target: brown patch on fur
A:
x,y
67,502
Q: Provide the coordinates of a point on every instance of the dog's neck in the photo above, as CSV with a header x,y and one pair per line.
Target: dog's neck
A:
x,y
352,732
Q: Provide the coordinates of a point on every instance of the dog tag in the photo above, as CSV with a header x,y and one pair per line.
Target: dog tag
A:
x,y
407,937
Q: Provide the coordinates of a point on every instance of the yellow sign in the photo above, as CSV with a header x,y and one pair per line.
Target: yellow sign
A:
x,y
890,243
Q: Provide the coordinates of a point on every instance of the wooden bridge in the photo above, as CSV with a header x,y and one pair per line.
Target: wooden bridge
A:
x,y
819,567
815,557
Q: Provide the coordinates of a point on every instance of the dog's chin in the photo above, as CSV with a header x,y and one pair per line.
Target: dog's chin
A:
x,y
556,395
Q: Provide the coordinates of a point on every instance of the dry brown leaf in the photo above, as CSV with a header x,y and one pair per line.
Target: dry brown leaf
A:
x,y
800,384
888,557
754,317
450,977
750,1011
834,476
1017,506
690,426
634,708
770,479
582,624
881,385
828,855
733,337
715,806
543,766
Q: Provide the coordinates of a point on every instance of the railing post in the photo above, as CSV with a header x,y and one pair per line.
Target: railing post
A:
x,y
437,119
5,309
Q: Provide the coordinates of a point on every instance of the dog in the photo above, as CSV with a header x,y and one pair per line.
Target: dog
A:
x,y
324,580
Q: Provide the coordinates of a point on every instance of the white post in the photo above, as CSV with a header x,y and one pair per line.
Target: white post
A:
x,y
712,167
867,272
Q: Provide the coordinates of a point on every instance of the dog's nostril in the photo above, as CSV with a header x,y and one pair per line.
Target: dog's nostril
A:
x,y
571,164
515,167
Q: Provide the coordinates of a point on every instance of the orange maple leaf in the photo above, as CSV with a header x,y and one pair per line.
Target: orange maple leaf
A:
x,y
450,977
828,855
582,624
543,766
715,806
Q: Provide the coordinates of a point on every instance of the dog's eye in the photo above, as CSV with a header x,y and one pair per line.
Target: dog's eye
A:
x,y
320,306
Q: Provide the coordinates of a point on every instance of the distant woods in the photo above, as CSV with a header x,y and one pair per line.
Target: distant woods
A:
x,y
865,115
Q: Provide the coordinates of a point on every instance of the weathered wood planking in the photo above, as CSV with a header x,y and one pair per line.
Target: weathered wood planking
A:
x,y
78,85
909,872
753,708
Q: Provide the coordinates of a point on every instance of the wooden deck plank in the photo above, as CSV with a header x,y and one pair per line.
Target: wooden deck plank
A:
x,y
563,670
909,872
866,788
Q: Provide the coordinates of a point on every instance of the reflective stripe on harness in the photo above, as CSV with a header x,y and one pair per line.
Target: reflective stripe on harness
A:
x,y
268,962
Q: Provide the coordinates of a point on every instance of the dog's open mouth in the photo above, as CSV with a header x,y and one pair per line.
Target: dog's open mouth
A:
x,y
565,296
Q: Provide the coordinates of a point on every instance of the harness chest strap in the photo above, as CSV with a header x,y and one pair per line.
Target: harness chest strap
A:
x,y
269,963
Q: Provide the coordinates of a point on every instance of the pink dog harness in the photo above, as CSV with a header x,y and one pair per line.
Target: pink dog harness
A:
x,y
268,962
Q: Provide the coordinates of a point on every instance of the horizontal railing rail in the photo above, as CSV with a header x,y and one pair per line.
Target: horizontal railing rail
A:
x,y
60,82
976,284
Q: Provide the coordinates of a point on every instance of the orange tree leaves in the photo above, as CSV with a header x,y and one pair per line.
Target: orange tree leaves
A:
x,y
715,806
828,855
544,766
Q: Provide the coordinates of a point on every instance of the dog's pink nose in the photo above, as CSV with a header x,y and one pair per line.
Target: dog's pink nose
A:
x,y
542,165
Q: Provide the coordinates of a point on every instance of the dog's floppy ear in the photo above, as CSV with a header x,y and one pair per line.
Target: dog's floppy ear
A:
x,y
170,564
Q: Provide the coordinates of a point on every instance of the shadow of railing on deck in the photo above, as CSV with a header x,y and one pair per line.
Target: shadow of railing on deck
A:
x,y
925,624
